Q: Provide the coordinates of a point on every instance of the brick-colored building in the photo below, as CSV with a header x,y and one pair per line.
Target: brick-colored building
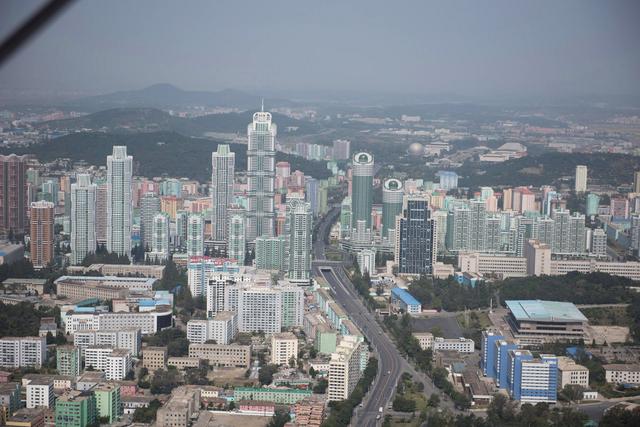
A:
x,y
41,236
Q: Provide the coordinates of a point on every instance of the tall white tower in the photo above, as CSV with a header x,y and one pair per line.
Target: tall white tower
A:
x,y
260,172
119,205
222,166
83,218
581,179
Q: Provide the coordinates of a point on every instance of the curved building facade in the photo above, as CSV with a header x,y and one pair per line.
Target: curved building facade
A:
x,y
392,193
362,189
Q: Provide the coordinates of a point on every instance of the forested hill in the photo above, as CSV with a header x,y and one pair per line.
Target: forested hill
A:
x,y
135,120
155,153
550,168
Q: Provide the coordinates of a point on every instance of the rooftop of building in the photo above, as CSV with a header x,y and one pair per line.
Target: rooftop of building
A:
x,y
567,363
26,415
626,367
224,315
545,311
285,336
152,349
405,296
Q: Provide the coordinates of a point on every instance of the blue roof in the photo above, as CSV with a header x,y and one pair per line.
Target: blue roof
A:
x,y
405,296
545,311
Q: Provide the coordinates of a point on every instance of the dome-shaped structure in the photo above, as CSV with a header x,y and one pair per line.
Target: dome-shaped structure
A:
x,y
416,149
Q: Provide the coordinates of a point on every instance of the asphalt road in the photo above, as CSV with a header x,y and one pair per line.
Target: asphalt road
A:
x,y
391,364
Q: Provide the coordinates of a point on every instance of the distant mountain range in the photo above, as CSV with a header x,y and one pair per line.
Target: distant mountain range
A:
x,y
129,120
167,96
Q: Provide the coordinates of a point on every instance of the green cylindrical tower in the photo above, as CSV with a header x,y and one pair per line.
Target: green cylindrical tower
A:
x,y
392,192
362,189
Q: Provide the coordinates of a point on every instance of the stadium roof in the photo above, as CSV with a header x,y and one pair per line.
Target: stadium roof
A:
x,y
405,296
545,311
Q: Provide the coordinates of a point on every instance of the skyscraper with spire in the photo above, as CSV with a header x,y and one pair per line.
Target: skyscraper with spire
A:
x,y
119,204
261,175
222,166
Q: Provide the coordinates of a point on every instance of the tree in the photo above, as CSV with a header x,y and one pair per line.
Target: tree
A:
x,y
618,416
312,372
321,386
164,381
265,375
292,362
279,419
501,410
147,415
572,392
403,404
434,400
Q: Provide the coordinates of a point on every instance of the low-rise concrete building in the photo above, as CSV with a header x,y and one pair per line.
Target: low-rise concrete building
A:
x,y
154,358
618,373
571,373
222,355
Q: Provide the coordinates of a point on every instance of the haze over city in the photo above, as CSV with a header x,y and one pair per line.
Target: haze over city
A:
x,y
290,48
319,214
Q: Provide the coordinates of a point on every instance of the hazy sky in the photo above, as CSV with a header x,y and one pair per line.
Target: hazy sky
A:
x,y
465,47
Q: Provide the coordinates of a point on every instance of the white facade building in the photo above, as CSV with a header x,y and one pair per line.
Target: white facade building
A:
x,y
261,152
17,352
119,202
40,394
344,368
461,345
284,346
83,218
223,167
223,329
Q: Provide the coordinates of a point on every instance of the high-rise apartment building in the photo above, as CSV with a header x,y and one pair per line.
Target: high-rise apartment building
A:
x,y
223,167
149,207
119,204
41,236
261,176
160,237
636,182
344,368
101,214
13,195
236,245
416,242
392,193
195,235
83,218
270,253
581,179
362,189
341,149
298,241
